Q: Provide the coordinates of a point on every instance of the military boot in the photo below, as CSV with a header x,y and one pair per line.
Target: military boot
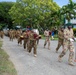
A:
x,y
72,64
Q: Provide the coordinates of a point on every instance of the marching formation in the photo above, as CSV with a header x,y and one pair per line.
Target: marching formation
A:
x,y
30,39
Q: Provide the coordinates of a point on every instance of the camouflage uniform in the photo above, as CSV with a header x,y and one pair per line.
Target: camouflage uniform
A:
x,y
32,42
17,34
39,37
25,35
67,44
47,39
11,35
1,34
19,37
14,33
60,39
28,43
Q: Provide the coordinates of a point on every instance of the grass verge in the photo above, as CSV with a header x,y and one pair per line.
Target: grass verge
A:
x,y
55,37
6,66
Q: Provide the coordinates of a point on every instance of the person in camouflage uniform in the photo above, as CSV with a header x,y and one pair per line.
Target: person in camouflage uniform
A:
x,y
47,38
28,42
68,45
19,37
60,38
1,34
32,42
25,35
11,35
14,33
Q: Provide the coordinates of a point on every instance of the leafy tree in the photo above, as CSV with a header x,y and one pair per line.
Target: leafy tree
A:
x,y
69,10
36,13
5,18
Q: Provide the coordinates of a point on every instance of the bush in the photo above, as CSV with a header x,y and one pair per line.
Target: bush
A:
x,y
74,30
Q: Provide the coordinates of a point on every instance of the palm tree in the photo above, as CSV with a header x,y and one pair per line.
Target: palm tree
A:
x,y
69,10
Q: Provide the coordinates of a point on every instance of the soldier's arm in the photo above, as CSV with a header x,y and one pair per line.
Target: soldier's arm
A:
x,y
72,34
73,37
59,34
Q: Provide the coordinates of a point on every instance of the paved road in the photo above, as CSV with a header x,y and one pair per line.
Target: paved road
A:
x,y
46,62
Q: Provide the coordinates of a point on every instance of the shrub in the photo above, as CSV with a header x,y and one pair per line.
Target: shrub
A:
x,y
74,30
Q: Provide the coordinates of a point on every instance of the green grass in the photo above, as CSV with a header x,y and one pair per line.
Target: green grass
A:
x,y
6,66
55,37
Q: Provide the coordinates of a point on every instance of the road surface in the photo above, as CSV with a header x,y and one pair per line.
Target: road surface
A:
x,y
46,62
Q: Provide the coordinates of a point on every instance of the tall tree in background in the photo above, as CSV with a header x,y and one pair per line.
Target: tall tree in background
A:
x,y
5,18
69,11
36,13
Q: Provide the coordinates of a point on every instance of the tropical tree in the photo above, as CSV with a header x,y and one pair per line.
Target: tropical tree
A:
x,y
36,13
69,10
